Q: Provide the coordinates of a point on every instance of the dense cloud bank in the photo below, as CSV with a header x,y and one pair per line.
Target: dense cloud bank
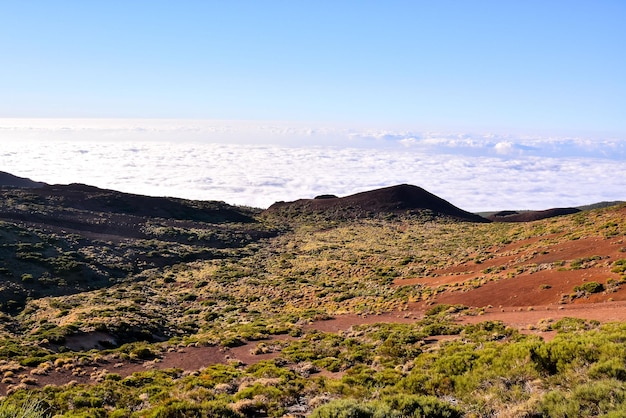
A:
x,y
230,162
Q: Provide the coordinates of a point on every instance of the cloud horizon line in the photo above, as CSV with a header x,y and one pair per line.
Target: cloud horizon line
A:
x,y
257,176
300,134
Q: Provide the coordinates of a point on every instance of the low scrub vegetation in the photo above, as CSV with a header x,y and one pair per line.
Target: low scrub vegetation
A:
x,y
386,370
87,308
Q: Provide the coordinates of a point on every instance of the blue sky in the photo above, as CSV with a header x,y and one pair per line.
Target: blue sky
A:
x,y
509,66
489,104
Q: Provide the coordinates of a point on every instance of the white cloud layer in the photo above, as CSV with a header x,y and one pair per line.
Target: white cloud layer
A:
x,y
256,164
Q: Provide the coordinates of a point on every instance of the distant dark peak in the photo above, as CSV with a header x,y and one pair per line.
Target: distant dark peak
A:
x,y
505,213
81,187
326,196
531,215
403,198
90,198
600,205
9,180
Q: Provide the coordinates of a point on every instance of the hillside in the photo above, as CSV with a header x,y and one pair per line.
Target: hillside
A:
x,y
166,307
59,240
554,266
9,180
530,215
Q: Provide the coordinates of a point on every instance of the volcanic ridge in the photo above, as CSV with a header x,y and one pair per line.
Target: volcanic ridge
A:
x,y
400,199
531,215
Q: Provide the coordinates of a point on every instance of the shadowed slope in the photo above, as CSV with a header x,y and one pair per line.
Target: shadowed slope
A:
x,y
90,198
66,239
9,180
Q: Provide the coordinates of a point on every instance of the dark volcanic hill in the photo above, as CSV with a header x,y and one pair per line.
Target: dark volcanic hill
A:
x,y
531,215
401,199
90,198
9,180
96,212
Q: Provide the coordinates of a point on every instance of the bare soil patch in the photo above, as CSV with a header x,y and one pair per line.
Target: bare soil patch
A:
x,y
194,358
531,272
522,284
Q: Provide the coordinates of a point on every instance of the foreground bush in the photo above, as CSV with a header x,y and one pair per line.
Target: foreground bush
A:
x,y
345,408
189,410
28,408
586,400
393,407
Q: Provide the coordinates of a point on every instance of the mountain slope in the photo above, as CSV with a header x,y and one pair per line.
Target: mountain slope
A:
x,y
9,180
531,215
66,239
385,305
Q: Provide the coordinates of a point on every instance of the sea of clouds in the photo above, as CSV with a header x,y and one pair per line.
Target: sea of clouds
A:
x,y
257,163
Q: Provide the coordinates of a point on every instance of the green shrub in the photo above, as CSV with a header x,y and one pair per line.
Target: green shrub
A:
x,y
619,266
439,326
613,368
183,409
422,406
590,287
232,341
347,408
586,400
444,308
32,361
487,331
143,353
392,407
113,377
569,324
259,390
567,352
26,277
28,408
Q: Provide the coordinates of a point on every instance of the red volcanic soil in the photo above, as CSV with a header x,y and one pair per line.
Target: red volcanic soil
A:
x,y
530,273
523,318
520,284
194,358
395,199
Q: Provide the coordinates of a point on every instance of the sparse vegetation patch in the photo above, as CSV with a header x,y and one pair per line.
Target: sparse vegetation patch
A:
x,y
202,309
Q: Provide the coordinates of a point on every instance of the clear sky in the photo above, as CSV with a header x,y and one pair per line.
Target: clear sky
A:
x,y
557,66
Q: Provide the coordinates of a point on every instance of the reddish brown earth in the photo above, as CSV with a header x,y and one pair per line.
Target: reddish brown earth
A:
x,y
529,281
522,284
193,358
531,273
